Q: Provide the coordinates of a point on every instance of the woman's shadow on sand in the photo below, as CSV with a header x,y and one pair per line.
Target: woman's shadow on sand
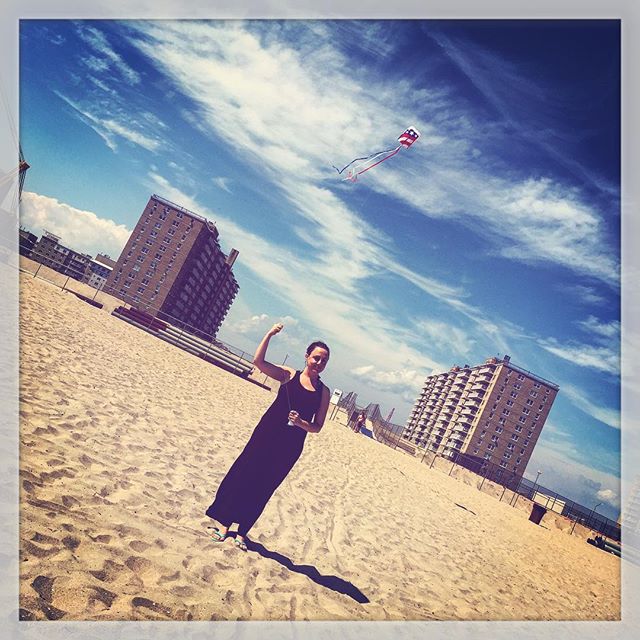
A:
x,y
331,582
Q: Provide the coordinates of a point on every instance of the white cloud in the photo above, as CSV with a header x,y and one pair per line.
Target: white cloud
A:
x,y
583,294
106,128
606,415
222,183
607,330
444,335
579,482
81,230
99,43
585,355
609,496
327,303
399,381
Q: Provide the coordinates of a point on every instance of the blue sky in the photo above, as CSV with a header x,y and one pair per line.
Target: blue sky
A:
x,y
497,233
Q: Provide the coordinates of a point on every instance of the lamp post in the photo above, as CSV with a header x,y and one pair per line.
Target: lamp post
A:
x,y
593,511
533,491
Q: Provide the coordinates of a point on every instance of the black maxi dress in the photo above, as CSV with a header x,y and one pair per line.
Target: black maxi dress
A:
x,y
272,450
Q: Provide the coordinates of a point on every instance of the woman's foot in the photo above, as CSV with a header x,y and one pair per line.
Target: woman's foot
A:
x,y
241,543
219,535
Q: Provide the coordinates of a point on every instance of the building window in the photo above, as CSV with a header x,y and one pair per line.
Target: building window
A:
x,y
514,436
158,225
491,447
510,446
533,394
494,438
140,259
136,267
179,214
536,385
506,456
502,420
522,419
530,402
149,242
520,376
517,386
514,394
499,429
127,284
509,403
503,464
526,412
518,428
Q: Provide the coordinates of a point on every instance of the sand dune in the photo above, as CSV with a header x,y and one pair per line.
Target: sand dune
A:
x,y
123,441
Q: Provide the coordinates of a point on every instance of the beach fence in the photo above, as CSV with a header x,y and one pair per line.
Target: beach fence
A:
x,y
150,319
502,484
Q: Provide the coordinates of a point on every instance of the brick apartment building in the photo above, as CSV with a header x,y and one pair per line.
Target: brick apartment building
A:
x,y
173,267
493,412
49,252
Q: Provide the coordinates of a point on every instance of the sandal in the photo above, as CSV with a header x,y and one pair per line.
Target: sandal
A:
x,y
241,544
217,536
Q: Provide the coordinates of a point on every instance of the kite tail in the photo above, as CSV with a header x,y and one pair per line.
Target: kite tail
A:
x,y
373,155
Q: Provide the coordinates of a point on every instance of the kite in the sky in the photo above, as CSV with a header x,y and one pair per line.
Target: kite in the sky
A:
x,y
360,165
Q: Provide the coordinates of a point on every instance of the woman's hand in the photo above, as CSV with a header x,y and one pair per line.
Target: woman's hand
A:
x,y
277,328
294,416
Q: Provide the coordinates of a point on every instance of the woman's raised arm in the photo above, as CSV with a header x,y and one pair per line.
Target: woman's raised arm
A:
x,y
277,372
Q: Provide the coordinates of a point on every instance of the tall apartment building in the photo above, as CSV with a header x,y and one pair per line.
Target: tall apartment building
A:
x,y
173,267
494,412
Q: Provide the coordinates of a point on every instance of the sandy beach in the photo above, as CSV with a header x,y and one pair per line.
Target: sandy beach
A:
x,y
124,439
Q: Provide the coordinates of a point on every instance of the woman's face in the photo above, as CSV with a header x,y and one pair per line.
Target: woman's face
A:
x,y
317,359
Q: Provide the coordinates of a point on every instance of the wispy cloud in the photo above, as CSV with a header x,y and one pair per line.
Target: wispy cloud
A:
x,y
608,416
445,336
528,108
260,94
222,183
108,128
356,325
582,294
584,355
606,331
109,58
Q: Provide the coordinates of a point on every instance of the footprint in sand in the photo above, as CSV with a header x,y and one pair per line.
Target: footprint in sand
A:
x,y
138,564
110,571
139,545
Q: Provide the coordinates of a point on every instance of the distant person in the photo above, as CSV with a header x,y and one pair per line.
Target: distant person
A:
x,y
360,422
275,445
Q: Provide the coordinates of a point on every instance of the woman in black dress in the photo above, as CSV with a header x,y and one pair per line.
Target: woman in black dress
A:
x,y
276,443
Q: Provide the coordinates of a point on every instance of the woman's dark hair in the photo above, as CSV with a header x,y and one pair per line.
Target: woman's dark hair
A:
x,y
318,343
